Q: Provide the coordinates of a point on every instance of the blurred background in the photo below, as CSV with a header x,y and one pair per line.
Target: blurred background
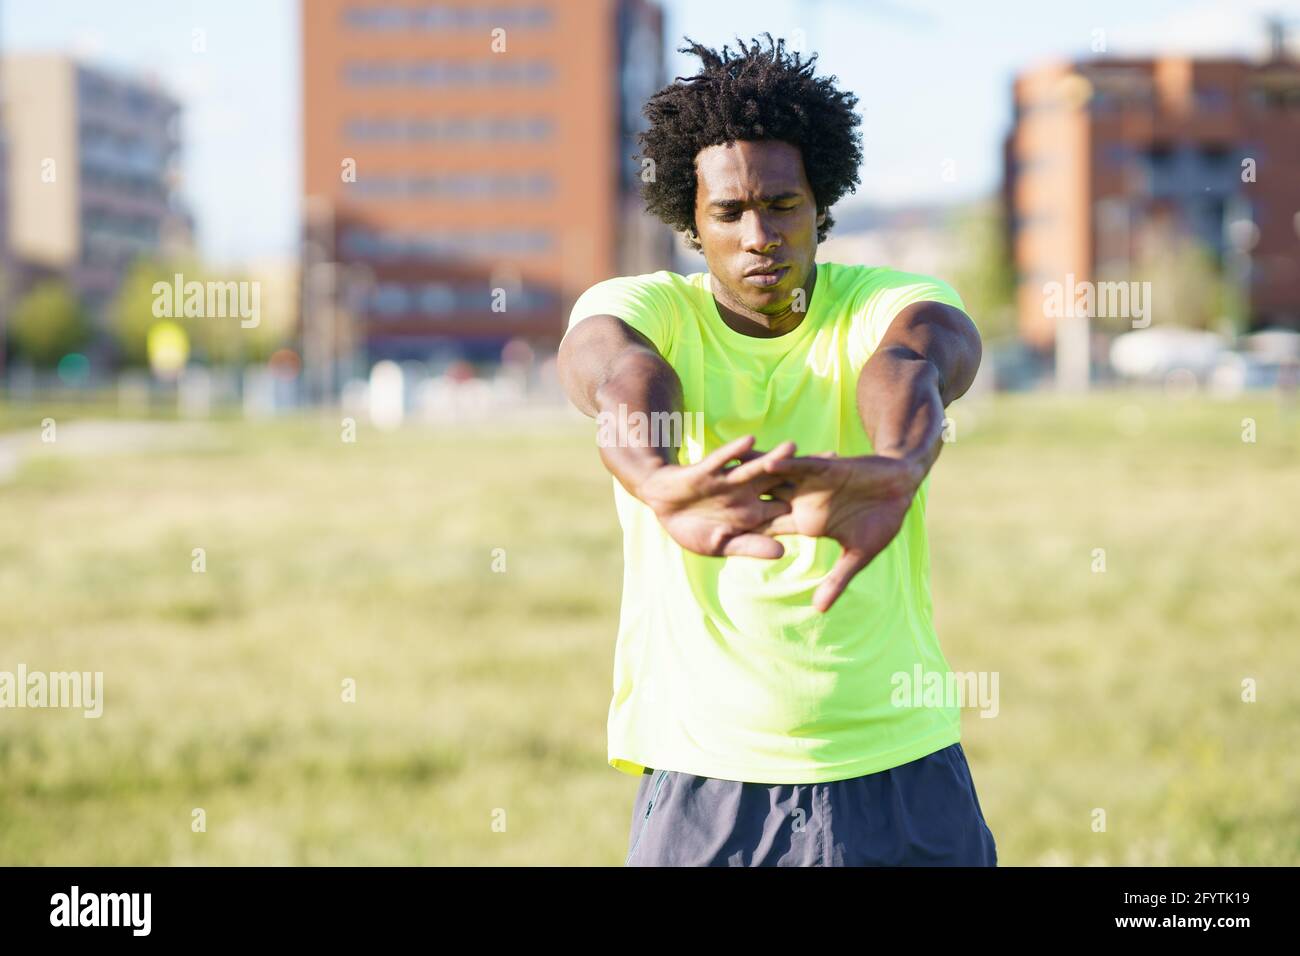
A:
x,y
281,286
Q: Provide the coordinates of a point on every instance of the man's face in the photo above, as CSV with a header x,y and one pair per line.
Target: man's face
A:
x,y
754,209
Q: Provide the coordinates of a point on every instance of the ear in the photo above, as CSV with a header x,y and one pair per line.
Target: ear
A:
x,y
821,217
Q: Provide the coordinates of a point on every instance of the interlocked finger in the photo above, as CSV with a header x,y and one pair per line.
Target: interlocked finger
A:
x,y
758,467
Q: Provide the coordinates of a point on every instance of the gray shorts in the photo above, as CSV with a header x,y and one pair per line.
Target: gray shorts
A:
x,y
923,813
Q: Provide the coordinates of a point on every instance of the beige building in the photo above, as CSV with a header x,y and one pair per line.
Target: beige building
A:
x,y
92,172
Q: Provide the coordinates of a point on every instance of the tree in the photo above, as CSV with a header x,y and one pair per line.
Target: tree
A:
x,y
48,324
1187,288
131,314
138,307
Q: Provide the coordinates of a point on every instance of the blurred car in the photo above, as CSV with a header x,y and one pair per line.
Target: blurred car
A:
x,y
1152,355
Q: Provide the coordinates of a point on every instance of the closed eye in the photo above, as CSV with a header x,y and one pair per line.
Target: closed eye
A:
x,y
733,216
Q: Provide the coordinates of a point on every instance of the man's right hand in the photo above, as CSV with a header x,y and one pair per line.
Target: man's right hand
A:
x,y
711,509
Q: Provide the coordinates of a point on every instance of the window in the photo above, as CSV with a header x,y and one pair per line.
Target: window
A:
x,y
390,298
454,186
445,17
443,73
441,130
437,298
1212,100
389,246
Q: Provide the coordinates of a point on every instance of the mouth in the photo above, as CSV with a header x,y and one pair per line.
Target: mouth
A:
x,y
767,278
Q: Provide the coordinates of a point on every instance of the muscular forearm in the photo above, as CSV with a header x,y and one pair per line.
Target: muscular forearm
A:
x,y
603,364
900,405
639,382
926,360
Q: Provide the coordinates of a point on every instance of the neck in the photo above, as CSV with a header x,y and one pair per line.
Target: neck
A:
x,y
763,325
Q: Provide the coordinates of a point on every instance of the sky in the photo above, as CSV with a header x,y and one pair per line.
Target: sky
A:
x,y
933,79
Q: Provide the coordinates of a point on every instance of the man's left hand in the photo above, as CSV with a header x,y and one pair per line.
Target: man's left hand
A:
x,y
859,502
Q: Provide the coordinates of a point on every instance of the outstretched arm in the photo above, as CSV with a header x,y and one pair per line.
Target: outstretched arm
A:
x,y
707,507
926,360
604,362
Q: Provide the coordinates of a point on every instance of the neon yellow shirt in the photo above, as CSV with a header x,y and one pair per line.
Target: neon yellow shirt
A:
x,y
722,667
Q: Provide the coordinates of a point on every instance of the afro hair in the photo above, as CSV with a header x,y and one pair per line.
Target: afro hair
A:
x,y
755,94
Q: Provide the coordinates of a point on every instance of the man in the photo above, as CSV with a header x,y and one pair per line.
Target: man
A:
x,y
771,600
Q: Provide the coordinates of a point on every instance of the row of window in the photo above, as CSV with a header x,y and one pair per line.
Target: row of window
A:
x,y
133,158
441,298
161,133
1156,158
99,94
454,186
92,135
113,243
1276,99
449,73
453,128
99,223
439,16
1116,219
386,246
122,184
1208,100
1203,101
1166,155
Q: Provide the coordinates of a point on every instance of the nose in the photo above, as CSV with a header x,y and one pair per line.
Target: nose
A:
x,y
758,233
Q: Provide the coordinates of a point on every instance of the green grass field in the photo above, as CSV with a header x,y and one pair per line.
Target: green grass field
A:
x,y
479,693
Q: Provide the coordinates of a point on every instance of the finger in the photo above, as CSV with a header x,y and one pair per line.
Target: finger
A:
x,y
751,455
732,449
797,467
758,467
752,545
846,568
778,487
781,524
775,518
767,510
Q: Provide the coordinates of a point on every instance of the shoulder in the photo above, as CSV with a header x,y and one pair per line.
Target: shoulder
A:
x,y
650,302
661,282
868,283
879,293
